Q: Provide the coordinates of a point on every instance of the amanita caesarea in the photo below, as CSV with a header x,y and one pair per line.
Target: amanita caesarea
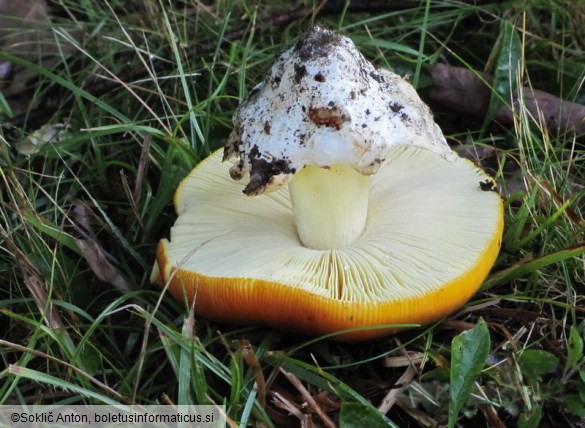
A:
x,y
354,212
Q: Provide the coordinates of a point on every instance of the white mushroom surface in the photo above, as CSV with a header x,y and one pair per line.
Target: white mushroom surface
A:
x,y
324,104
329,118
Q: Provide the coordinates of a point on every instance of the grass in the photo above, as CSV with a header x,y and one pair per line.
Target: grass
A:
x,y
147,90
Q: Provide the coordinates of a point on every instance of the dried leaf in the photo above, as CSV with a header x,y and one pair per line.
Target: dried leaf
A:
x,y
82,215
49,133
563,116
39,292
466,92
402,383
326,402
251,360
460,89
99,264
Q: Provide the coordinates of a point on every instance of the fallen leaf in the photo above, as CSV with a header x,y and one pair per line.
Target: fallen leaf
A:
x,y
326,402
49,133
82,215
38,289
245,347
99,264
466,92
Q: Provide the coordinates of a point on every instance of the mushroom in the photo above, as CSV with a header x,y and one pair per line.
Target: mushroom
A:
x,y
356,213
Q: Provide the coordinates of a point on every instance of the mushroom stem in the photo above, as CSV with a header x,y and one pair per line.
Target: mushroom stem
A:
x,y
330,205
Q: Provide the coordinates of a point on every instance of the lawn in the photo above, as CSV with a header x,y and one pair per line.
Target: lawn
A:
x,y
107,105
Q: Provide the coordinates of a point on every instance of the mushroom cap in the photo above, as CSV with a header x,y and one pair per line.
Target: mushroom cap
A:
x,y
433,232
322,104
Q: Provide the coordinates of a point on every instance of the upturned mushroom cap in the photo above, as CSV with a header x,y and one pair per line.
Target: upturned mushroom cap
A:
x,y
431,237
407,239
323,104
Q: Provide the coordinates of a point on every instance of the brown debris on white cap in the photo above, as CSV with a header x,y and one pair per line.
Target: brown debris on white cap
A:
x,y
324,104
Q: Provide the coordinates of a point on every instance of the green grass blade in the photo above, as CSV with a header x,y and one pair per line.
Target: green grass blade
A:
x,y
421,44
66,84
44,226
58,383
526,267
195,128
506,70
248,406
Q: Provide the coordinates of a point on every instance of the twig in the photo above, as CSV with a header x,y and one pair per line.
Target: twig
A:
x,y
308,398
390,398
